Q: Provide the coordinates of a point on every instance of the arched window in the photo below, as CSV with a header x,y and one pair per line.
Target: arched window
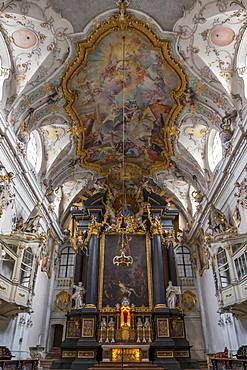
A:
x,y
67,260
26,267
183,262
223,268
34,151
215,152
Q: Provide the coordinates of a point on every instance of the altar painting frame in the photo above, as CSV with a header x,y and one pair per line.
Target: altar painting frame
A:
x,y
148,275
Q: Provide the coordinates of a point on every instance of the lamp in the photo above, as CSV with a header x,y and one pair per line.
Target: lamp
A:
x,y
122,260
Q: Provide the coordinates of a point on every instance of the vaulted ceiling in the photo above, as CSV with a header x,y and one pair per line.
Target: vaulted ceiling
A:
x,y
202,78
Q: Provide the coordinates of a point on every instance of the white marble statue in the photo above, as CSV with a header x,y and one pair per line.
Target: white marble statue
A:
x,y
77,296
32,223
172,293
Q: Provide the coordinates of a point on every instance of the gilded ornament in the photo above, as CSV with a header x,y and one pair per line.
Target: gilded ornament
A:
x,y
62,300
188,300
218,223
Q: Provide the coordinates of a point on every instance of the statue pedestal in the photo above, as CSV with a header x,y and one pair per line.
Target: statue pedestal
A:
x,y
170,347
125,352
79,350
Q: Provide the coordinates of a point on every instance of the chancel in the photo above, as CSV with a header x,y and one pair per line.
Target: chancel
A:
x,y
123,184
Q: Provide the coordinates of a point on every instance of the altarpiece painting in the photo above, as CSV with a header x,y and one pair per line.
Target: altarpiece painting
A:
x,y
133,281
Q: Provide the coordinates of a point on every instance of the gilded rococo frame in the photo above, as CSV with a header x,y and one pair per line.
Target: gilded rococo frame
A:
x,y
123,22
149,269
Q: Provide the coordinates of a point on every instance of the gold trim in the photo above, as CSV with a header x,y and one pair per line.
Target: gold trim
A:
x,y
158,329
69,354
160,305
86,354
67,328
83,326
89,305
84,47
149,269
181,354
164,354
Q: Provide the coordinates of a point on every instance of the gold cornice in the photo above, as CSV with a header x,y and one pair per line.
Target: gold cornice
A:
x,y
122,22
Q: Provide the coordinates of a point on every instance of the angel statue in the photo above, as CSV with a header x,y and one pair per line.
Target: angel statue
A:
x,y
33,222
171,295
78,295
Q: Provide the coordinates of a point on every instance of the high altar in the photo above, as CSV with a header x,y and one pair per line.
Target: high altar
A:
x,y
123,230
125,266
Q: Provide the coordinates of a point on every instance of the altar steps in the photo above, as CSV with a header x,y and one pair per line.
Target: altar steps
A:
x,y
127,365
54,354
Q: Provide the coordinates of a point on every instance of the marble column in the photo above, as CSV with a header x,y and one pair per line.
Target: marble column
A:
x,y
78,267
172,265
93,270
157,271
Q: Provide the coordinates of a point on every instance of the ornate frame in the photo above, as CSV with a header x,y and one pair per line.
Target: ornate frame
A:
x,y
101,269
159,321
122,22
92,329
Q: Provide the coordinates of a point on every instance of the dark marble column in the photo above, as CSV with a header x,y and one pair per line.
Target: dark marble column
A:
x,y
172,265
157,271
166,266
78,267
93,270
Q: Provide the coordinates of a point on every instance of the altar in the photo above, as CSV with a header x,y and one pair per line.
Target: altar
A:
x,y
125,352
125,317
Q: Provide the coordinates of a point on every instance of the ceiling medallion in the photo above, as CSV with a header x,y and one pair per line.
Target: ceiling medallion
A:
x,y
93,87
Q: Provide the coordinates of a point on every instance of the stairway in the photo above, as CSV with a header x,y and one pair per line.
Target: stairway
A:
x,y
54,354
126,365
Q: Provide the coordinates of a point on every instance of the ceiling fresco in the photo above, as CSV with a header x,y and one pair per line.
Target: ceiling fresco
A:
x,y
124,95
64,79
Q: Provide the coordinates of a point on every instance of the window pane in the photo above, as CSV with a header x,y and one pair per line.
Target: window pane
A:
x,y
179,259
187,259
188,271
180,270
70,271
62,271
67,261
71,259
183,261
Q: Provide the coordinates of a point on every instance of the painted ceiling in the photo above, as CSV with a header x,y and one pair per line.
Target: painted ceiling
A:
x,y
124,97
38,45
